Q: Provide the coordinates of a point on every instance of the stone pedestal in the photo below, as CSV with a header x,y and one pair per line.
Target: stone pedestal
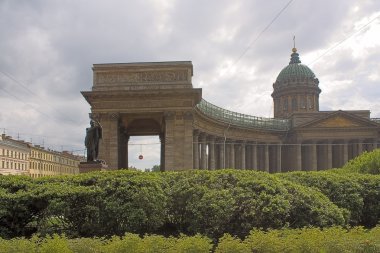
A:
x,y
85,167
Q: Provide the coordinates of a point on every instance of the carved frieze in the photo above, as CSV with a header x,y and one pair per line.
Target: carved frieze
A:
x,y
141,77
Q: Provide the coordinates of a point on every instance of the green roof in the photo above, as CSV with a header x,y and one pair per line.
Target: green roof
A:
x,y
242,120
295,69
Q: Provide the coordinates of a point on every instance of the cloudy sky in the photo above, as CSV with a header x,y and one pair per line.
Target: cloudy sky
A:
x,y
237,49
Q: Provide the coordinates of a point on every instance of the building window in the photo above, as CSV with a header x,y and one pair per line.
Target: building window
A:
x,y
286,104
303,102
310,102
294,104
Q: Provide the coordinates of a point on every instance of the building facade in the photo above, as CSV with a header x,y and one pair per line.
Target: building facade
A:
x,y
22,158
159,99
44,162
14,156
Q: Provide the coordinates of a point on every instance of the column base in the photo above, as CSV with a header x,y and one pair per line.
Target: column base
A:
x,y
85,167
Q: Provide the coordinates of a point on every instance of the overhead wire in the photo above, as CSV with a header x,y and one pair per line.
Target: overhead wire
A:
x,y
33,93
19,99
262,32
345,39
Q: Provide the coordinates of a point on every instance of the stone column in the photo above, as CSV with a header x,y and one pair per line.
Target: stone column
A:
x,y
254,156
243,155
354,149
196,149
279,157
178,140
360,146
169,141
373,144
222,161
203,152
113,141
187,141
345,152
329,155
227,155
232,156
266,168
124,156
162,157
123,148
211,153
298,156
313,156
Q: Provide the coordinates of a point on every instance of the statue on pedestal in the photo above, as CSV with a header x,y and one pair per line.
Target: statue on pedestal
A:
x,y
93,135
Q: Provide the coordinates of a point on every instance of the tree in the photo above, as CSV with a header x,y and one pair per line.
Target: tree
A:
x,y
156,168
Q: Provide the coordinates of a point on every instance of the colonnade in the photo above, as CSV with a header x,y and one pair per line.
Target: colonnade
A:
x,y
214,152
326,154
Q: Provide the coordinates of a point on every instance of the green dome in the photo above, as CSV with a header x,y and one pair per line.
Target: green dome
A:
x,y
295,70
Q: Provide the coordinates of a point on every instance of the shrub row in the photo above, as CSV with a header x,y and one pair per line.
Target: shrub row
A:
x,y
113,203
207,202
368,162
334,239
358,194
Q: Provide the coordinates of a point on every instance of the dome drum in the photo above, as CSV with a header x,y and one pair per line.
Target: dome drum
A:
x,y
295,85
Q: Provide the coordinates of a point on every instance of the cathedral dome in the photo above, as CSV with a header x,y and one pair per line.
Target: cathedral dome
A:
x,y
295,70
295,89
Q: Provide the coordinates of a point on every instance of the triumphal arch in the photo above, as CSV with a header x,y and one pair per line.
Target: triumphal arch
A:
x,y
131,99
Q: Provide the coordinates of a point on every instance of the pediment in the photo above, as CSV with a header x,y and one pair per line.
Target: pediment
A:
x,y
340,119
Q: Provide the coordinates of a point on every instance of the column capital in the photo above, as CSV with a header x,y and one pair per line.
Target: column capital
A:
x,y
104,116
113,116
168,115
203,135
188,115
95,116
211,138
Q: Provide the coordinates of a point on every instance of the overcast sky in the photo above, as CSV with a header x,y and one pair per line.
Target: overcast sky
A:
x,y
237,49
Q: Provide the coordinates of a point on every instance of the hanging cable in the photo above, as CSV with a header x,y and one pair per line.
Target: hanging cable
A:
x,y
261,33
340,42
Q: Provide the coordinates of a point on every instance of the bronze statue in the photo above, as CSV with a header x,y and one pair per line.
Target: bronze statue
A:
x,y
93,135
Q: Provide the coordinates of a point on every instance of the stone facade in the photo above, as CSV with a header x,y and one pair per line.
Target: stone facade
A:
x,y
145,99
22,158
158,99
45,162
14,156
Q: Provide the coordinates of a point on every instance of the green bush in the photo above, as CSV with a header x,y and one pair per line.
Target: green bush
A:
x,y
106,204
230,201
229,244
358,194
368,162
211,203
329,240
